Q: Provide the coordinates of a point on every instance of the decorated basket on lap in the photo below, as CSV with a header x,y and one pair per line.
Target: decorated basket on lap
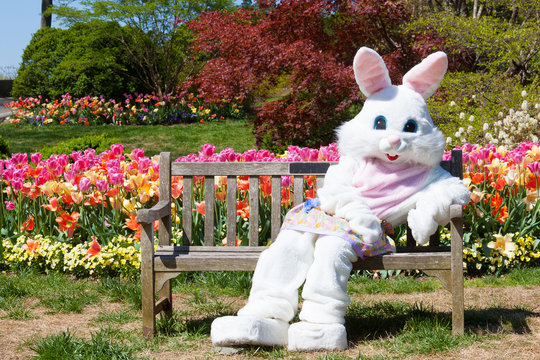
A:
x,y
388,173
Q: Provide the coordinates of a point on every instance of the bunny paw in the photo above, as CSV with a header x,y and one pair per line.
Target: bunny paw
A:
x,y
422,226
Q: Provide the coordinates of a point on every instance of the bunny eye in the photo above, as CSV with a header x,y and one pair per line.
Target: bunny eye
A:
x,y
380,123
410,126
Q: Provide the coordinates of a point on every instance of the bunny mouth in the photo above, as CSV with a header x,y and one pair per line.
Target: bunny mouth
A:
x,y
392,157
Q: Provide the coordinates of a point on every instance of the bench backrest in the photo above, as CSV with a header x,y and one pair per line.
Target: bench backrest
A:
x,y
253,170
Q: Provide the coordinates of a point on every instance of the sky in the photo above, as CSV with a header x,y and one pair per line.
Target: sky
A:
x,y
19,19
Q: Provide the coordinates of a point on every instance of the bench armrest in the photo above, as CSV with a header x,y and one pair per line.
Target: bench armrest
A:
x,y
156,212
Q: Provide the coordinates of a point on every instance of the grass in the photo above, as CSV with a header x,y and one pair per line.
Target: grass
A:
x,y
178,139
66,346
397,329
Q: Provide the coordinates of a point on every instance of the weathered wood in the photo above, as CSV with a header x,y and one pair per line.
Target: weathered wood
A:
x,y
458,296
209,206
164,228
156,212
253,235
275,212
147,279
247,168
231,210
298,190
187,211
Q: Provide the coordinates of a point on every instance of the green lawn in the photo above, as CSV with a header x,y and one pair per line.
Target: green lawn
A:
x,y
178,139
390,327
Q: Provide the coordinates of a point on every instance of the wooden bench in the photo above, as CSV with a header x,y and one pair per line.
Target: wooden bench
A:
x,y
167,261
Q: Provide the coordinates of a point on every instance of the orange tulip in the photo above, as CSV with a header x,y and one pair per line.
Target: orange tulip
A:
x,y
94,248
31,245
28,225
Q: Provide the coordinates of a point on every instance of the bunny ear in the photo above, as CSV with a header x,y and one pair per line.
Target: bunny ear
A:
x,y
370,71
426,77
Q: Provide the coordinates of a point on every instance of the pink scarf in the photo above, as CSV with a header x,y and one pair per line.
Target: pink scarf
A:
x,y
384,185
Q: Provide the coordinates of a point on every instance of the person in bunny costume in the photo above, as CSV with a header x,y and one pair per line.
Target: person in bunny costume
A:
x,y
388,173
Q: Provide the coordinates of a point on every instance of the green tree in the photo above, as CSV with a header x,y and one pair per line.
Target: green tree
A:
x,y
156,39
83,60
497,35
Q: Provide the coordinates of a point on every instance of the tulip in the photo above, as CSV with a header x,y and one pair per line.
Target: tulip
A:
x,y
102,186
117,149
84,184
10,205
35,158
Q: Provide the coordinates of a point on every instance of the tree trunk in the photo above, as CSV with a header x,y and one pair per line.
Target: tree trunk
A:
x,y
46,20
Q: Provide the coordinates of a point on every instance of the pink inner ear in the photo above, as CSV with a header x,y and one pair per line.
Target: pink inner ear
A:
x,y
370,71
426,77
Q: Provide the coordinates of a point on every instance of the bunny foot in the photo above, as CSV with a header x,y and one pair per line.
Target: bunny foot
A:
x,y
248,330
306,336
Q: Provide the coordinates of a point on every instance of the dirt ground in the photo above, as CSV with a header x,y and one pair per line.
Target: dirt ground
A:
x,y
517,334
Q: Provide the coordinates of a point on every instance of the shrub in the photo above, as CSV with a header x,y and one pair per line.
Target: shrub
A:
x,y
256,56
468,105
82,60
4,148
99,143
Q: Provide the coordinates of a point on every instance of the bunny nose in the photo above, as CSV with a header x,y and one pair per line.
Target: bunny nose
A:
x,y
394,140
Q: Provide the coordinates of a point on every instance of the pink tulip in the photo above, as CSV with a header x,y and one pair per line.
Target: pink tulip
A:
x,y
8,174
144,164
84,184
102,186
117,149
535,168
136,154
10,205
17,184
116,178
35,158
80,165
69,176
208,150
90,153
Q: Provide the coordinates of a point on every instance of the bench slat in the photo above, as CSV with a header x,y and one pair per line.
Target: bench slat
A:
x,y
298,190
253,211
209,206
276,207
187,213
249,168
231,210
247,260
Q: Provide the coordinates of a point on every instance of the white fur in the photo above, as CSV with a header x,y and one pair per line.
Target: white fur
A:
x,y
323,263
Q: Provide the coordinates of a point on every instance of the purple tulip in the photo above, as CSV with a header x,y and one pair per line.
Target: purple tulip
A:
x,y
117,149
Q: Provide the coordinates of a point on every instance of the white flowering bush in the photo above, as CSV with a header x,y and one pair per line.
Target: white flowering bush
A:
x,y
509,129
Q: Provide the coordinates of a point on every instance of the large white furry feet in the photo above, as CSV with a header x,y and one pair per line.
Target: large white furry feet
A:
x,y
305,336
248,330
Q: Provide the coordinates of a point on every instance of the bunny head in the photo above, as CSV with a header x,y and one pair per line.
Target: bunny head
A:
x,y
394,124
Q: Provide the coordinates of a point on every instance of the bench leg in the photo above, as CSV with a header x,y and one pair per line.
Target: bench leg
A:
x,y
458,296
166,293
147,281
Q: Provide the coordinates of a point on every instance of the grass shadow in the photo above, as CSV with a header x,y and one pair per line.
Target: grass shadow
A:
x,y
499,320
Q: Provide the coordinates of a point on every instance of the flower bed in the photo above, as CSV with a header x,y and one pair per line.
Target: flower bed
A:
x,y
76,213
138,109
